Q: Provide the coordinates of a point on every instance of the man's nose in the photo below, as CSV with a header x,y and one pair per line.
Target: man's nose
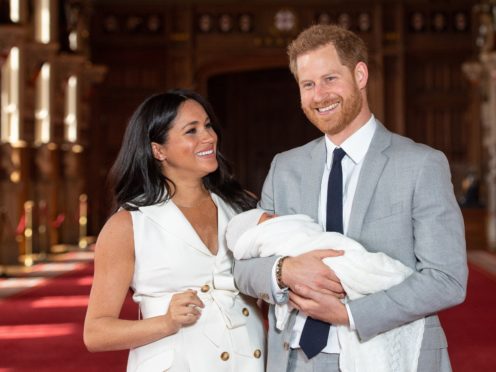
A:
x,y
321,93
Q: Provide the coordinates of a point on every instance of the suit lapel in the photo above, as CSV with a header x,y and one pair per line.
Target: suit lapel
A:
x,y
372,168
312,180
168,216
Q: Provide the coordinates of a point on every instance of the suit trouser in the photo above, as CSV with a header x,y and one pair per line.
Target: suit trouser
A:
x,y
323,362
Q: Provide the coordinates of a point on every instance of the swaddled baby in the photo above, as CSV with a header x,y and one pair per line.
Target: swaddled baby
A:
x,y
256,233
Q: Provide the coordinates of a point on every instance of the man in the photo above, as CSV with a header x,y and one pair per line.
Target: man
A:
x,y
393,195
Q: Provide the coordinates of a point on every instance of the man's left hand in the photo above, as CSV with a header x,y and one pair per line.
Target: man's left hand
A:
x,y
319,305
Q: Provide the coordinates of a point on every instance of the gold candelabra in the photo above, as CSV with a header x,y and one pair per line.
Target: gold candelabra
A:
x,y
28,234
83,221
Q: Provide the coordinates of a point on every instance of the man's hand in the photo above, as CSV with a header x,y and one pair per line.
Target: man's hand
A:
x,y
308,269
319,305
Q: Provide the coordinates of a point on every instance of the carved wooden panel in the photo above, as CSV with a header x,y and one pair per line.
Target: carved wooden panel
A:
x,y
234,52
436,103
261,116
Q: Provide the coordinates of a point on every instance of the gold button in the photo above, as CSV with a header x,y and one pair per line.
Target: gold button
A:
x,y
286,346
205,288
224,356
257,353
246,312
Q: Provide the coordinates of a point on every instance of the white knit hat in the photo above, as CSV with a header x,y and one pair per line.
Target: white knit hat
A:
x,y
241,223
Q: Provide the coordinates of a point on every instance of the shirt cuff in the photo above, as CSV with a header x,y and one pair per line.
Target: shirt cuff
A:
x,y
350,318
280,294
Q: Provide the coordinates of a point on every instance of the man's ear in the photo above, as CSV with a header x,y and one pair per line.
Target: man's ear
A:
x,y
361,74
158,151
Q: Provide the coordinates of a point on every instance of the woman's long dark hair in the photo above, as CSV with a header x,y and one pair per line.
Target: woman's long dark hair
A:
x,y
136,178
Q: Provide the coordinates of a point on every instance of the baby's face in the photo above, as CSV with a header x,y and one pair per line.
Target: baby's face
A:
x,y
265,216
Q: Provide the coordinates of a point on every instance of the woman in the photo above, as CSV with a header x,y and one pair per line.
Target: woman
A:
x,y
176,195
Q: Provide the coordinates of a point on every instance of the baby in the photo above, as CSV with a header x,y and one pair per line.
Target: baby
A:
x,y
256,233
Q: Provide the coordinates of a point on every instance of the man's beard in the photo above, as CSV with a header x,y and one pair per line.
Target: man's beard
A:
x,y
334,125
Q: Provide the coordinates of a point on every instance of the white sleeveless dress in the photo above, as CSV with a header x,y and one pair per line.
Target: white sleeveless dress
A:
x,y
169,258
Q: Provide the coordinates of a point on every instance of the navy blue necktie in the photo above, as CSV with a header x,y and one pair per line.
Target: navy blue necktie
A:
x,y
316,332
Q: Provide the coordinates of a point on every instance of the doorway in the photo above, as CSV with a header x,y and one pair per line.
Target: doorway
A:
x,y
261,116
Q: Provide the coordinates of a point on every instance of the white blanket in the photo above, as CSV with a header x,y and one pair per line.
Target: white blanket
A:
x,y
361,273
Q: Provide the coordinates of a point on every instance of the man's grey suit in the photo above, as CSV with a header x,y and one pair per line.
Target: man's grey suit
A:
x,y
404,206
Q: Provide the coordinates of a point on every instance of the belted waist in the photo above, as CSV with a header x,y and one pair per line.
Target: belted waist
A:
x,y
221,307
226,302
223,300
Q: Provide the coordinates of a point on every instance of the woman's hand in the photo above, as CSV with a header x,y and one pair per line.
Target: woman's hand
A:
x,y
183,310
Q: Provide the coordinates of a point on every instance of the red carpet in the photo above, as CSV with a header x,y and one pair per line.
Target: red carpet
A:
x,y
471,327
41,329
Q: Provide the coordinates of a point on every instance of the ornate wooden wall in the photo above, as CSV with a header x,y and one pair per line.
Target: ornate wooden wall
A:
x,y
438,100
234,52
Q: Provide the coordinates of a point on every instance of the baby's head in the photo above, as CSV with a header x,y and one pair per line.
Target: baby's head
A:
x,y
244,221
265,216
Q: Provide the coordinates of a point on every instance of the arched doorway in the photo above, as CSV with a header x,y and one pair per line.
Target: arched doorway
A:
x,y
261,116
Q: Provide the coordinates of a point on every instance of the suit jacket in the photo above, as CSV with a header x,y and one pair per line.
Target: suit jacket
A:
x,y
404,206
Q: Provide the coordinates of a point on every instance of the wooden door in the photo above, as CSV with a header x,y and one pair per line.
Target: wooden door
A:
x,y
261,116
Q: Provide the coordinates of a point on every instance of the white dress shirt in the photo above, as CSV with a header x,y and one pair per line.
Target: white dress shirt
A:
x,y
356,146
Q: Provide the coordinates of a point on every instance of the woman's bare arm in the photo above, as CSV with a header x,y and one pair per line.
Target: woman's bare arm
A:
x,y
114,268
